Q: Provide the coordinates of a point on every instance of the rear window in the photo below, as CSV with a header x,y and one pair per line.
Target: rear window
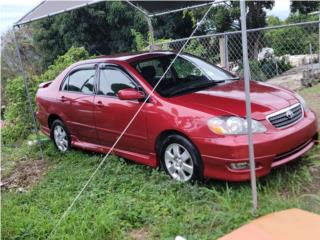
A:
x,y
80,81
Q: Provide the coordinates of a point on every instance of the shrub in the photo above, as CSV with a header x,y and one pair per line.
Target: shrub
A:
x,y
139,41
292,40
266,69
196,48
18,121
17,118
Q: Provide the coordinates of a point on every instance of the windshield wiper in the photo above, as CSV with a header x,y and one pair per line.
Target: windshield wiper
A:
x,y
227,79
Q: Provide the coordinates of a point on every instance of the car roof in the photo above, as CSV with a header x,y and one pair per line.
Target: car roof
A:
x,y
128,57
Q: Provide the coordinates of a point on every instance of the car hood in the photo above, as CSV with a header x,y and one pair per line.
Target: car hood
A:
x,y
229,98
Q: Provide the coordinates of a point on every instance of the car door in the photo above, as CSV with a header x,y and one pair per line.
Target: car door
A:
x,y
77,103
112,114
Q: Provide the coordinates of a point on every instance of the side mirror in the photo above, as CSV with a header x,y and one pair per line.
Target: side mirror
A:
x,y
130,94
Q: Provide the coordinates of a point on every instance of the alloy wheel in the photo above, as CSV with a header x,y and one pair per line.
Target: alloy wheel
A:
x,y
61,138
178,162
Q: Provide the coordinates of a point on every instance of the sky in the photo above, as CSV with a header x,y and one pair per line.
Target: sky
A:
x,y
12,10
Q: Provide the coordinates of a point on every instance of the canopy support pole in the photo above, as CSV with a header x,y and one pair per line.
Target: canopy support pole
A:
x,y
149,22
27,93
246,71
151,32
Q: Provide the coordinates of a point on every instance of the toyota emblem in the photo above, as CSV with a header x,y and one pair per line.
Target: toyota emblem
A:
x,y
289,114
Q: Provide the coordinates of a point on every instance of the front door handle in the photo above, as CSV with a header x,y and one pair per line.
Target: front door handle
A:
x,y
100,104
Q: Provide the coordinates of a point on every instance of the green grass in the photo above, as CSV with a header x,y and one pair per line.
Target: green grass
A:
x,y
125,196
312,97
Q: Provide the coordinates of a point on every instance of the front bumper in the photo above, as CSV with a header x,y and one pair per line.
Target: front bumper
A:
x,y
271,149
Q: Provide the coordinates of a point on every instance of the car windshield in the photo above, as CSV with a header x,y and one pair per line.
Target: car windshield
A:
x,y
187,74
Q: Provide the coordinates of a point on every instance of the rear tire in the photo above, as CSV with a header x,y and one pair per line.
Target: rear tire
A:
x,y
180,159
60,136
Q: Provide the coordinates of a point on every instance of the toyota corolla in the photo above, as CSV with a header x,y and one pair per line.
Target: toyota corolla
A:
x,y
193,125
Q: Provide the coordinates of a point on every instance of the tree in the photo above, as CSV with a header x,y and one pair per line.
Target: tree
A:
x,y
256,18
273,21
304,7
103,28
174,25
9,62
226,17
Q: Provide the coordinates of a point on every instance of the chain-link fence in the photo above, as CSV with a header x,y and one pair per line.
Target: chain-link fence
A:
x,y
272,50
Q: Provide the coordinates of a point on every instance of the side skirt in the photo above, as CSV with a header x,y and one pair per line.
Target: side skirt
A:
x,y
149,160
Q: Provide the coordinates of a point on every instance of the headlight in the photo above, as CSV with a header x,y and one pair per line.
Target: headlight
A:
x,y
302,102
229,125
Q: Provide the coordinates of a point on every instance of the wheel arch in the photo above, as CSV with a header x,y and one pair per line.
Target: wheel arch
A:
x,y
52,117
164,134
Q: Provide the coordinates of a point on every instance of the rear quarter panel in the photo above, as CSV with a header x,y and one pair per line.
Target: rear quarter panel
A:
x,y
47,100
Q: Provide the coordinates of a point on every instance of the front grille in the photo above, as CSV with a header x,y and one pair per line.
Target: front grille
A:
x,y
286,117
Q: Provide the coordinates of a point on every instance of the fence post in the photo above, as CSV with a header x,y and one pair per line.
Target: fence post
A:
x,y
226,53
311,57
26,88
151,32
223,51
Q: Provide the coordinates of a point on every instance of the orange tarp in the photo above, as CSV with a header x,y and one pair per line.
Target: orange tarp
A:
x,y
292,224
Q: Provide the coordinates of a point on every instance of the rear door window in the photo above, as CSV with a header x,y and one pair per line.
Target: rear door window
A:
x,y
81,81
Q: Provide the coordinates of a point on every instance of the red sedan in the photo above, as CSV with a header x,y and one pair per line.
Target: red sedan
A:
x,y
193,125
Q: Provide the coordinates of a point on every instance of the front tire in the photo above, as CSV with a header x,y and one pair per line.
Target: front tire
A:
x,y
60,136
180,159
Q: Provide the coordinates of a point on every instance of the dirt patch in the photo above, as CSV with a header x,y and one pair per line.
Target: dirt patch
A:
x,y
139,234
25,174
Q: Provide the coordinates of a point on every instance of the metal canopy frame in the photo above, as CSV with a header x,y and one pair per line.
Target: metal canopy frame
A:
x,y
148,16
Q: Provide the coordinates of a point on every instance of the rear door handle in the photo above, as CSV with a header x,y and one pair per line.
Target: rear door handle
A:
x,y
63,99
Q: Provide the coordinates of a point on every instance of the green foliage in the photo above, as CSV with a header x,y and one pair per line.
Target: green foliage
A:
x,y
292,40
102,28
266,69
222,19
62,62
256,16
10,68
18,121
173,26
226,17
140,43
196,48
298,18
273,21
304,7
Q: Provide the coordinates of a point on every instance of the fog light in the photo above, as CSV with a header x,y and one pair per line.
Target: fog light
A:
x,y
240,165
